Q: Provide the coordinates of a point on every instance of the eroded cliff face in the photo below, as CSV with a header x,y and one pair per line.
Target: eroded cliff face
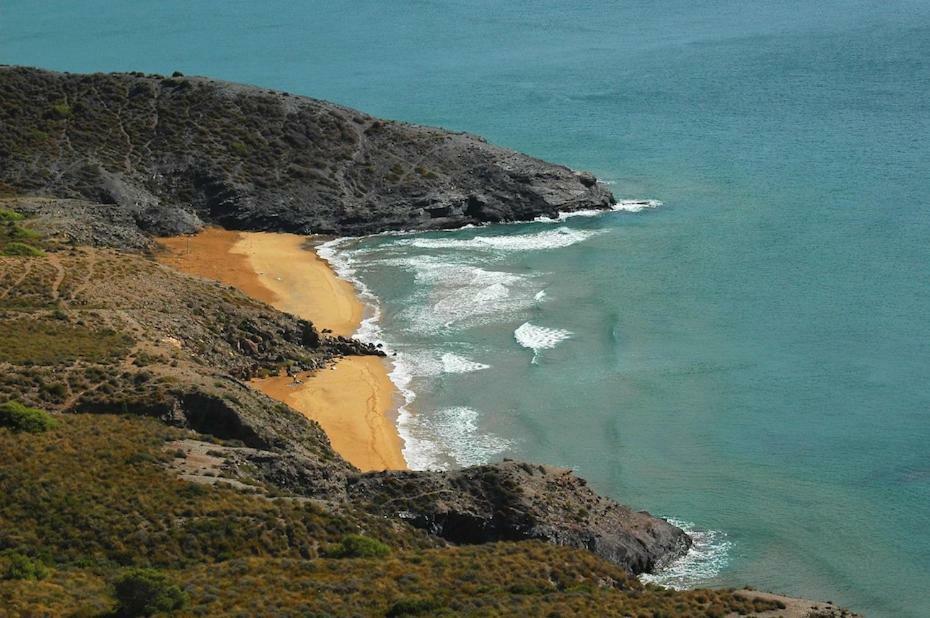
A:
x,y
177,152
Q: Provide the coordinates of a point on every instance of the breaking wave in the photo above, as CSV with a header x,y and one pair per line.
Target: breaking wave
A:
x,y
453,295
621,206
707,557
539,338
447,438
548,239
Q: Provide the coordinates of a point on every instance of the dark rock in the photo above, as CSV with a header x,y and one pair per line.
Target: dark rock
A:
x,y
518,501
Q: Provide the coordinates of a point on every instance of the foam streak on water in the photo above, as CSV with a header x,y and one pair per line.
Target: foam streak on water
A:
x,y
620,206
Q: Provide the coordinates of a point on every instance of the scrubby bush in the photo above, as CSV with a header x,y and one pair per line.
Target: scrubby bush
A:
x,y
18,417
18,566
9,215
60,111
143,592
357,546
22,249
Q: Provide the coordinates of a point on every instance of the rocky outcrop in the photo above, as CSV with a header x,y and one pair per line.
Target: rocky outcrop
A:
x,y
508,501
173,153
517,501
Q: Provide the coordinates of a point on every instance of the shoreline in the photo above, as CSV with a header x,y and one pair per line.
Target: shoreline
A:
x,y
354,400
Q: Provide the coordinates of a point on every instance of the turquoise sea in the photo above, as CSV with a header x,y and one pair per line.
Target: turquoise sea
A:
x,y
751,357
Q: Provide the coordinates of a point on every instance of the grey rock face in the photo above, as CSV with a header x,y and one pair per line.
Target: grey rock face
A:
x,y
174,153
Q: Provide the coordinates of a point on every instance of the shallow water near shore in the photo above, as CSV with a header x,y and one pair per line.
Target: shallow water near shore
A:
x,y
751,357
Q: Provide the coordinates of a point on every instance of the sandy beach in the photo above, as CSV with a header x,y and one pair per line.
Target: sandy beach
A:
x,y
354,401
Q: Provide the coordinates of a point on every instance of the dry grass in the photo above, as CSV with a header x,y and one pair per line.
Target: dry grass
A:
x,y
53,342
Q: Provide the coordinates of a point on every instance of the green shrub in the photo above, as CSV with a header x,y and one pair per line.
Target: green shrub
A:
x,y
18,417
143,592
9,215
61,110
23,233
358,546
19,566
22,249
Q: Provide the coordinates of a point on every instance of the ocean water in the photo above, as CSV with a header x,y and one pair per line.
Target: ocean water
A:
x,y
750,357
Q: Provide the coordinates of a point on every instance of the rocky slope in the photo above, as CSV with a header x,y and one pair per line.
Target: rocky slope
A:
x,y
174,152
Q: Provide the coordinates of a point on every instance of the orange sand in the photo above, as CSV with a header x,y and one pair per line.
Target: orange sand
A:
x,y
353,400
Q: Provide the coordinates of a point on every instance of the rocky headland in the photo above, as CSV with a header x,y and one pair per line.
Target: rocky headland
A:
x,y
174,152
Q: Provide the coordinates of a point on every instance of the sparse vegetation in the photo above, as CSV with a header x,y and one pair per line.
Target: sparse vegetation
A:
x,y
79,507
48,342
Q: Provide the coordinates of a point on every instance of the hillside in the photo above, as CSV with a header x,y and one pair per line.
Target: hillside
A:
x,y
174,152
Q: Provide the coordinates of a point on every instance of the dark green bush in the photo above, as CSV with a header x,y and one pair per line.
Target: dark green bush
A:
x,y
18,417
143,592
358,546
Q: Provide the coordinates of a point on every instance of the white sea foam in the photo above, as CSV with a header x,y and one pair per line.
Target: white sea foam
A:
x,y
707,557
540,296
453,363
635,205
621,206
449,437
539,338
341,261
453,295
548,239
428,364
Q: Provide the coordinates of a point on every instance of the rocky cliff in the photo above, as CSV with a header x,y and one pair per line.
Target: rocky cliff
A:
x,y
175,152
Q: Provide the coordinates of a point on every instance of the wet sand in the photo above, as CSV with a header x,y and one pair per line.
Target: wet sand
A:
x,y
354,400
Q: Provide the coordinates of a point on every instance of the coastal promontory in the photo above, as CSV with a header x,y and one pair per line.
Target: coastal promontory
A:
x,y
175,152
